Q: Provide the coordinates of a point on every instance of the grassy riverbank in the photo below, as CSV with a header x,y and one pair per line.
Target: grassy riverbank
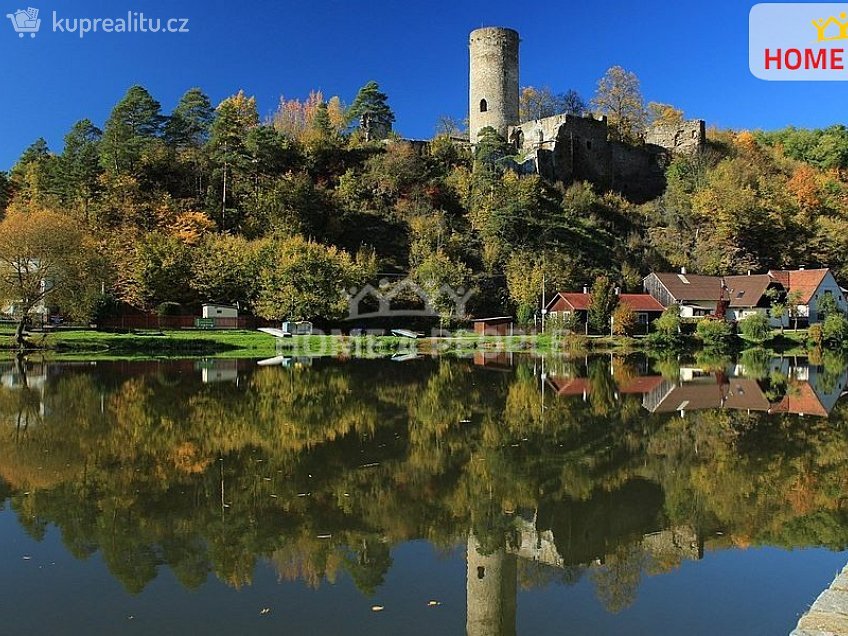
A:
x,y
255,343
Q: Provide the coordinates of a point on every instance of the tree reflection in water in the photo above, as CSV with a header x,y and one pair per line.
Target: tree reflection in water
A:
x,y
545,469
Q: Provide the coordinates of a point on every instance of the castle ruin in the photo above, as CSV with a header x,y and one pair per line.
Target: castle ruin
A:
x,y
567,147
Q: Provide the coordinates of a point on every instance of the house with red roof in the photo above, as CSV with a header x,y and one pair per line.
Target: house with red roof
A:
x,y
743,295
811,285
646,308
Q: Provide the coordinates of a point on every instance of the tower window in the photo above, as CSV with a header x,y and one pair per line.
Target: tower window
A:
x,y
481,571
483,106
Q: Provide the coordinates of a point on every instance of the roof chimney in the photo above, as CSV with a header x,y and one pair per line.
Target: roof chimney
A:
x,y
585,289
749,272
618,291
682,270
800,267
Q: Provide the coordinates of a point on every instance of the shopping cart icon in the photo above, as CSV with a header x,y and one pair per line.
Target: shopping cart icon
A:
x,y
25,21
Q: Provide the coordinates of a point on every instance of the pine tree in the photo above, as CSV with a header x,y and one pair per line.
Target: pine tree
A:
x,y
321,122
191,122
134,123
372,110
79,164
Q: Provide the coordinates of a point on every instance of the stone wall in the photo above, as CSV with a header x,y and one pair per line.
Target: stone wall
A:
x,y
682,137
571,148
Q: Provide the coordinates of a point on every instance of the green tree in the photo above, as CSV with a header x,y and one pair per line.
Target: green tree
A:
x,y
524,276
225,270
134,124
835,330
321,123
300,280
79,166
5,191
604,300
371,109
235,117
441,278
668,324
490,151
161,271
190,124
793,301
714,332
755,327
827,306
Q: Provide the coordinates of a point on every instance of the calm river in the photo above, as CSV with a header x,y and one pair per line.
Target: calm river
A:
x,y
495,495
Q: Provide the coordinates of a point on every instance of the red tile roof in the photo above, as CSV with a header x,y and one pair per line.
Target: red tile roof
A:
x,y
806,281
641,384
577,301
801,399
642,302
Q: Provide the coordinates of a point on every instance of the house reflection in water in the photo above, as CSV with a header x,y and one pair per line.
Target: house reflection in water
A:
x,y
786,387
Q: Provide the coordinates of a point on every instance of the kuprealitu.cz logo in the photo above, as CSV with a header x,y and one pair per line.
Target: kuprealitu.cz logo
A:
x,y
798,41
28,22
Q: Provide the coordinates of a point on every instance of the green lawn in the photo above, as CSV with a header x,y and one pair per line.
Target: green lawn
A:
x,y
258,344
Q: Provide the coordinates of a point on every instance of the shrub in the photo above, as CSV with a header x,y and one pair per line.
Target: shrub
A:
x,y
814,336
714,332
668,324
624,320
755,327
835,330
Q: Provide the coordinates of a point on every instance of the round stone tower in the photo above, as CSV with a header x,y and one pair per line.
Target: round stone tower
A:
x,y
493,91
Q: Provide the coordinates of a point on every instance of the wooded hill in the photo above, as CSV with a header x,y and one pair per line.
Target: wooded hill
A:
x,y
284,215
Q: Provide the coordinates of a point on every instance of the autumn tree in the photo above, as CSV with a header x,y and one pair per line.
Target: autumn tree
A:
x,y
659,113
524,277
295,118
624,320
538,103
45,259
443,279
619,97
603,301
33,177
300,279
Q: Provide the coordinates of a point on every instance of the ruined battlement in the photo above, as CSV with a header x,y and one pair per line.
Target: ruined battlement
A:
x,y
678,137
568,147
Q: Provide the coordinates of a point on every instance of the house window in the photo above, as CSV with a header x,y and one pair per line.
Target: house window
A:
x,y
483,106
643,318
588,145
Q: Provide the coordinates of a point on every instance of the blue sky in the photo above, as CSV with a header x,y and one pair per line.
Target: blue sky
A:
x,y
691,54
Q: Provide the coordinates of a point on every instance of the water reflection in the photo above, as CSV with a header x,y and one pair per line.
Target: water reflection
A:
x,y
547,470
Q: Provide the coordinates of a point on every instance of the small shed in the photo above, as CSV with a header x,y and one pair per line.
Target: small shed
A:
x,y
220,311
495,326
